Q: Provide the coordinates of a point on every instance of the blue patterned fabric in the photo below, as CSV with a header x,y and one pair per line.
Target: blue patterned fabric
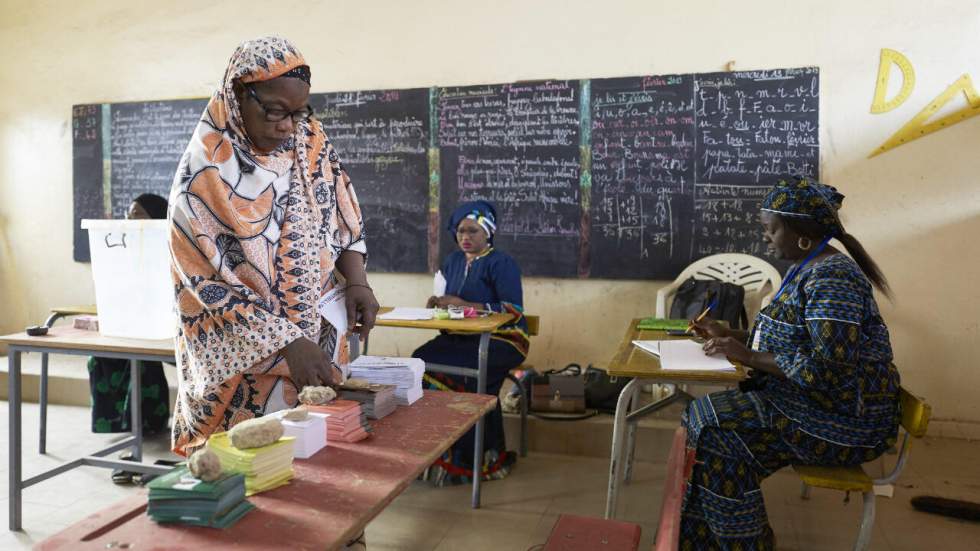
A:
x,y
838,405
806,198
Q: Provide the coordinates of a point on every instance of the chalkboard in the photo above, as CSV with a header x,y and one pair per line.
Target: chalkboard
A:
x,y
86,167
134,148
382,137
621,178
680,164
516,145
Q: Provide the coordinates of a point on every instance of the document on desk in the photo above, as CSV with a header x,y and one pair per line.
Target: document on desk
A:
x,y
684,355
408,314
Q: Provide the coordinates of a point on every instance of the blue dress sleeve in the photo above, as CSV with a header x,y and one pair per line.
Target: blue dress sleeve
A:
x,y
506,280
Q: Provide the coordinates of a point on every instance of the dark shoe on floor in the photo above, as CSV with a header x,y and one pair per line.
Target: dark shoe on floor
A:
x,y
120,476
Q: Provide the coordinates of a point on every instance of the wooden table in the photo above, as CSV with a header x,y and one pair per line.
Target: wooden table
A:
x,y
483,326
333,496
630,361
66,340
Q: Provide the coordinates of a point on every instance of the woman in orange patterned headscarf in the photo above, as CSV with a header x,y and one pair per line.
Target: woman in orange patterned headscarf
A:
x,y
262,212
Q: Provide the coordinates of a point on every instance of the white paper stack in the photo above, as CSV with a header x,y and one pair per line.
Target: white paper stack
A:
x,y
310,434
404,373
408,314
684,355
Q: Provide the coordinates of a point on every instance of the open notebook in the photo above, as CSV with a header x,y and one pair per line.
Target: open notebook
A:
x,y
684,355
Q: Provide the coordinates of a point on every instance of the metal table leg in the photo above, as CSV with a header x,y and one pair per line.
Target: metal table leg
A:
x,y
14,451
619,426
136,407
481,388
42,444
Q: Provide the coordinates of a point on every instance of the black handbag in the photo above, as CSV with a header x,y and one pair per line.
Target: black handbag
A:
x,y
602,391
694,296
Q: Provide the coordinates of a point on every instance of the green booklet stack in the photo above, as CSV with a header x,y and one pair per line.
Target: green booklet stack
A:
x,y
663,324
178,497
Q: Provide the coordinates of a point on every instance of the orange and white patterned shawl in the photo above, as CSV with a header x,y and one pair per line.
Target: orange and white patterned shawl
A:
x,y
254,239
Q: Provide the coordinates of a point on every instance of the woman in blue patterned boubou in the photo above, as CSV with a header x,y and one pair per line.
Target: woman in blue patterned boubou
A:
x,y
822,388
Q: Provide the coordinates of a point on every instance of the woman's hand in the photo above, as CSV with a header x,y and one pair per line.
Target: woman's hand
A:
x,y
361,305
729,347
708,328
309,364
445,301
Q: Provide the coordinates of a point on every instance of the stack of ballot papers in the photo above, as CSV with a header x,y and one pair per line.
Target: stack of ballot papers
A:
x,y
310,434
408,314
404,373
345,421
178,497
377,400
684,355
264,468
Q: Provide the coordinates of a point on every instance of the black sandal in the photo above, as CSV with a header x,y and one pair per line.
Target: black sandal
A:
x,y
143,479
120,476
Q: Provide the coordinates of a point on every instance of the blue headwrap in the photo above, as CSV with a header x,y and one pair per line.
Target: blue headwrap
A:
x,y
481,211
807,198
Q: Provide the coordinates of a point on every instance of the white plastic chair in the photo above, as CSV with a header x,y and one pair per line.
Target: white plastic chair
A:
x,y
759,279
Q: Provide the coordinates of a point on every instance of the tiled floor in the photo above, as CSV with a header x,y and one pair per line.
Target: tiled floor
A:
x,y
519,511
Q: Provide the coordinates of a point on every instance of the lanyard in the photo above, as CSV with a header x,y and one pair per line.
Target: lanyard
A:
x,y
799,267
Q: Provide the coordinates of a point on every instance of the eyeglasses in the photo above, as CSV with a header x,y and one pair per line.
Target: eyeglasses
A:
x,y
274,114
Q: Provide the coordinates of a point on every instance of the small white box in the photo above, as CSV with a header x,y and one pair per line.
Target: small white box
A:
x,y
134,292
311,434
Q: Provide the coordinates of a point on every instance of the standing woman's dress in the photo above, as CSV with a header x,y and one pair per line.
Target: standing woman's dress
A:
x,y
254,239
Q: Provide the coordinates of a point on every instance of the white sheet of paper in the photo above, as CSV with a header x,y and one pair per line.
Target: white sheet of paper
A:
x,y
685,355
438,284
333,308
408,314
651,347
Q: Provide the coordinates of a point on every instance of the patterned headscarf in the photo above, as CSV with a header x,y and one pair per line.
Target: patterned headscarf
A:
x,y
806,198
483,212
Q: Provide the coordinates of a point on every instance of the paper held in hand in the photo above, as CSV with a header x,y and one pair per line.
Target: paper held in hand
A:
x,y
684,355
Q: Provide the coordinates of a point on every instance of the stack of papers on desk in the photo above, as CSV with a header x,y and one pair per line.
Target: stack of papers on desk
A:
x,y
178,497
264,468
377,401
684,355
345,421
310,434
408,314
404,373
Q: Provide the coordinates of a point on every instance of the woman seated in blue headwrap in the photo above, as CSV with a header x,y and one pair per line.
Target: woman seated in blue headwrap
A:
x,y
479,276
823,389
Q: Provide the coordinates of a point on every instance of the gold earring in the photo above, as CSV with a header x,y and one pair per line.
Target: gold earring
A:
x,y
804,246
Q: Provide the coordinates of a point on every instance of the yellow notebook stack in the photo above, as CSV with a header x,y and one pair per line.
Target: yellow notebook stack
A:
x,y
264,468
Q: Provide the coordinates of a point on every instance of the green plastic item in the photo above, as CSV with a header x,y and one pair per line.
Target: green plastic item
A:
x,y
663,324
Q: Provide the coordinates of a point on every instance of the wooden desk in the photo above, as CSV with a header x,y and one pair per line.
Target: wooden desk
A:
x,y
332,498
483,326
66,340
630,361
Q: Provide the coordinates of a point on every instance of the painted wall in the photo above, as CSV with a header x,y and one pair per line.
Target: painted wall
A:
x,y
917,208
